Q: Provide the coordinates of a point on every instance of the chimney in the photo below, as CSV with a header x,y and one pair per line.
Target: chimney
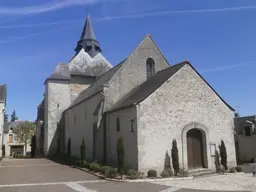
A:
x,y
237,115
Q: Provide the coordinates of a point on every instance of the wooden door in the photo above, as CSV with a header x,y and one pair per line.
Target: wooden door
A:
x,y
195,149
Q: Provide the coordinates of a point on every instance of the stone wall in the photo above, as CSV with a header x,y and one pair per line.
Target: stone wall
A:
x,y
79,122
246,148
134,72
129,138
57,99
185,101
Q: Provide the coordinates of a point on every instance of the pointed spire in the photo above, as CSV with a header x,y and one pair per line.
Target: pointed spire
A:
x,y
88,32
88,40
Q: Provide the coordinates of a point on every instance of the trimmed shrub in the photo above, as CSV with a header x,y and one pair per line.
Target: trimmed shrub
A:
x,y
111,173
164,174
103,169
238,169
83,151
175,157
120,155
217,160
223,155
133,174
183,173
232,170
169,171
152,173
221,169
141,175
69,148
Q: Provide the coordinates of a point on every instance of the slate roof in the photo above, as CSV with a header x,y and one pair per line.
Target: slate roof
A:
x,y
6,126
3,92
83,64
142,91
88,32
40,111
61,72
97,86
145,89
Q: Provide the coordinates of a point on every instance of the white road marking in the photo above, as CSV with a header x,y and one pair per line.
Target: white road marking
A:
x,y
78,187
31,165
53,183
172,189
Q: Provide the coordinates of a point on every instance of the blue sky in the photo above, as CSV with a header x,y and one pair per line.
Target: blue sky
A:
x,y
217,37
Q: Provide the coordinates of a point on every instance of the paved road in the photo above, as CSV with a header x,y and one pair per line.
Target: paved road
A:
x,y
42,175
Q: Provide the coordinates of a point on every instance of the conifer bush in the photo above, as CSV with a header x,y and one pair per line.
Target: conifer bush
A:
x,y
83,152
175,157
120,155
223,155
69,148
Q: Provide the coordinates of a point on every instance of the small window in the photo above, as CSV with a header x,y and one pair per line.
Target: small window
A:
x,y
150,64
132,125
117,124
58,105
247,131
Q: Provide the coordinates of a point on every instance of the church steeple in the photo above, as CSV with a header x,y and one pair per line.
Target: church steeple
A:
x,y
88,40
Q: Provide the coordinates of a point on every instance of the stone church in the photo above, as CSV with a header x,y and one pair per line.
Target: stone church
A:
x,y
144,99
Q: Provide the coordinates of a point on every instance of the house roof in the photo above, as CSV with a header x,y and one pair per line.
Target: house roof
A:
x,y
3,92
6,126
97,86
142,91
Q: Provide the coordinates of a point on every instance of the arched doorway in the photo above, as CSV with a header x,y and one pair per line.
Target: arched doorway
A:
x,y
195,149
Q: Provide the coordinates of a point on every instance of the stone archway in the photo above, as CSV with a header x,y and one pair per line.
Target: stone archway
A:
x,y
195,149
201,134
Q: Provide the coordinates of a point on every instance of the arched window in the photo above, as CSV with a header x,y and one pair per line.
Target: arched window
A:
x,y
150,67
117,125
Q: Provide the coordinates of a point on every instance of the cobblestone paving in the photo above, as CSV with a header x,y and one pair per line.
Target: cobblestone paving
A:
x,y
42,175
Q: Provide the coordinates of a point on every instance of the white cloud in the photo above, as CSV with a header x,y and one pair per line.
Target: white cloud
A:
x,y
47,7
168,12
227,67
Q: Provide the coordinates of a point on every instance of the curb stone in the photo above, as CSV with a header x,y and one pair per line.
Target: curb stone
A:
x,y
134,181
238,173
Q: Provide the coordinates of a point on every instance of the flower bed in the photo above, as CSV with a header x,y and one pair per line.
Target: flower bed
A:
x,y
111,173
230,171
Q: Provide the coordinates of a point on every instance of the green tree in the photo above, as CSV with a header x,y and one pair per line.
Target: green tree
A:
x,y
83,151
69,148
120,155
223,155
14,116
175,157
23,132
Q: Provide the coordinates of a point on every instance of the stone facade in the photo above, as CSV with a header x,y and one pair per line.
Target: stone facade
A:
x,y
182,103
